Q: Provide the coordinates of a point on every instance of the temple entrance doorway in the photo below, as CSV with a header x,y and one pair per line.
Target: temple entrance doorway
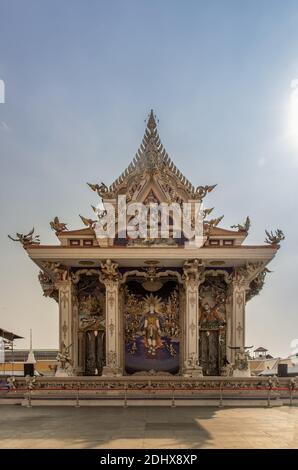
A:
x,y
209,352
212,323
95,352
151,328
91,322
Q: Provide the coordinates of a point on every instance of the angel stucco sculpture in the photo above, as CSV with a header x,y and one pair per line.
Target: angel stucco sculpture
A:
x,y
242,356
109,268
64,360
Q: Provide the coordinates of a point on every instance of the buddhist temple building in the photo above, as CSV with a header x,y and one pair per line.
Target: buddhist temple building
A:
x,y
144,305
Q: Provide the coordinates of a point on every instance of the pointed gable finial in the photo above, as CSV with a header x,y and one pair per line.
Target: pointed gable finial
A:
x,y
151,123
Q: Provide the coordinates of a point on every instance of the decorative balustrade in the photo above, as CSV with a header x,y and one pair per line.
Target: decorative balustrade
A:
x,y
216,391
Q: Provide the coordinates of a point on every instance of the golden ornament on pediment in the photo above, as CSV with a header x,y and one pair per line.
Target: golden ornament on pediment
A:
x,y
202,191
88,222
100,189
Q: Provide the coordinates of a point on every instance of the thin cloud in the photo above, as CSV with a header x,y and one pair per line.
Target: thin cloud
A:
x,y
4,126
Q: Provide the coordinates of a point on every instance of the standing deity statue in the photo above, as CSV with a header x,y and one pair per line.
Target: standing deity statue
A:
x,y
241,361
64,362
152,330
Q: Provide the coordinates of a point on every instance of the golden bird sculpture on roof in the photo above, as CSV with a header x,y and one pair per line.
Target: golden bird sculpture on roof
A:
x,y
58,226
27,239
243,227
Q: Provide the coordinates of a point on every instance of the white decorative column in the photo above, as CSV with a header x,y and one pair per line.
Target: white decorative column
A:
x,y
75,333
111,278
229,321
65,356
242,278
193,271
65,314
237,336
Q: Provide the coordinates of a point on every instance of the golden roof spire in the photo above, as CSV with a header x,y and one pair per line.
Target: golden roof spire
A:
x,y
151,123
151,158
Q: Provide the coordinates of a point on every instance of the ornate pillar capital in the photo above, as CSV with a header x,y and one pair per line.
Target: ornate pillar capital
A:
x,y
256,285
57,272
193,272
244,275
48,286
109,273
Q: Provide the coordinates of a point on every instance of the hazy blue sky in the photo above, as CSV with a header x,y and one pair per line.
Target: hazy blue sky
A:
x,y
81,77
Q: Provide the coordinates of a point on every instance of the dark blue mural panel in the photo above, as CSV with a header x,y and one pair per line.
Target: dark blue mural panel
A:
x,y
152,329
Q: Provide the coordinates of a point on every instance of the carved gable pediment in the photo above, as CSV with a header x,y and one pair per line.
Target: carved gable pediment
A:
x,y
151,167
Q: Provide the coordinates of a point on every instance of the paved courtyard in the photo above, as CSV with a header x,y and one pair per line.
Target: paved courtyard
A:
x,y
94,427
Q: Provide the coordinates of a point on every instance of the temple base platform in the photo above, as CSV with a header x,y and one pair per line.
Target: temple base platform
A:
x,y
151,391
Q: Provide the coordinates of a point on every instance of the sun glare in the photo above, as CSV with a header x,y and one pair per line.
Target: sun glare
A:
x,y
293,113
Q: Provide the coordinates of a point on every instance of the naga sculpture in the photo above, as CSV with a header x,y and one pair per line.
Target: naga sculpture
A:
x,y
100,189
88,222
202,191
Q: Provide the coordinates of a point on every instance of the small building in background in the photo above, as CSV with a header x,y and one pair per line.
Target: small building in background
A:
x,y
264,364
7,339
261,353
14,363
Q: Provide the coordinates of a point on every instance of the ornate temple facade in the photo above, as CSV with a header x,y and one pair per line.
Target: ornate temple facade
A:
x,y
150,306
